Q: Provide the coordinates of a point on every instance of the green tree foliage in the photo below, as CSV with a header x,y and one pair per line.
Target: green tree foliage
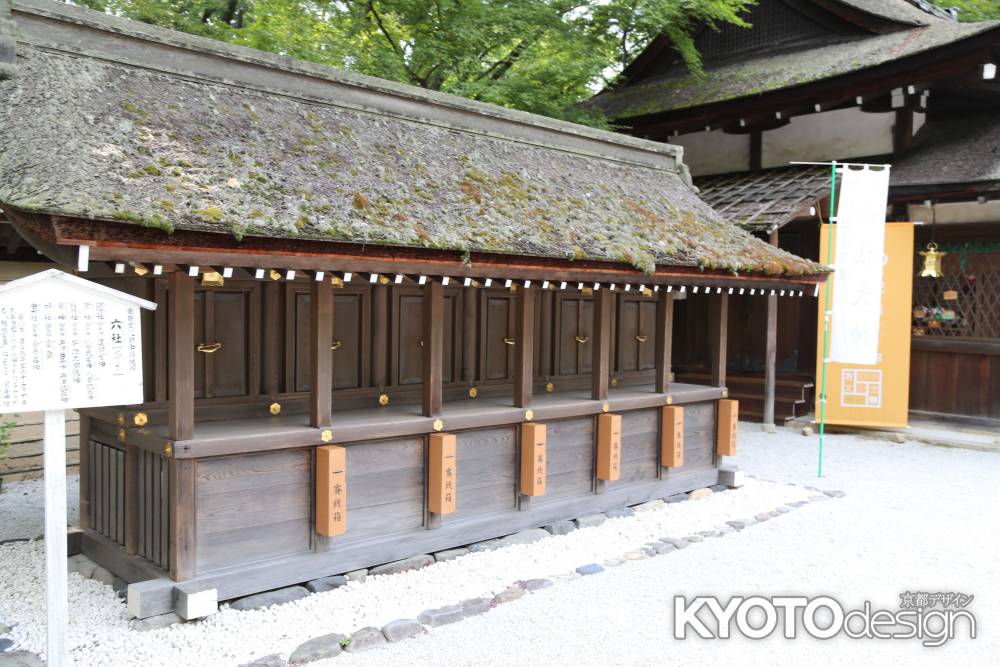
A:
x,y
543,56
975,10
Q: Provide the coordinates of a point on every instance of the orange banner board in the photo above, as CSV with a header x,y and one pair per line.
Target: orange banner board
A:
x,y
876,395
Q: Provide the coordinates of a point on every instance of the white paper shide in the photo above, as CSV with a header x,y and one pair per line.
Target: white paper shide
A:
x,y
68,343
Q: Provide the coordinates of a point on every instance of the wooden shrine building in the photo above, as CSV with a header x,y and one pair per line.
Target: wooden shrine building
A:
x,y
390,321
888,81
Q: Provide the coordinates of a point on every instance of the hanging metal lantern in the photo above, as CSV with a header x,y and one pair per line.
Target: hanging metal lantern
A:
x,y
932,261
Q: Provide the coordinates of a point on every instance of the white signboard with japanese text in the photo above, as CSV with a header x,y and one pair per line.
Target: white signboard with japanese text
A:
x,y
858,260
66,342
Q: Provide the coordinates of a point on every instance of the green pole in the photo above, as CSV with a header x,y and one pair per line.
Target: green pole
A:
x,y
826,315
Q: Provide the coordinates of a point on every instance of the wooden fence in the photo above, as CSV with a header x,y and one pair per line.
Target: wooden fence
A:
x,y
24,455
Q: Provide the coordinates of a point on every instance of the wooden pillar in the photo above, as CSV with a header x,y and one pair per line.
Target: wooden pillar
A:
x,y
601,367
433,349
664,339
272,342
380,335
182,535
718,324
469,340
524,350
771,352
545,334
132,508
321,357
180,341
85,473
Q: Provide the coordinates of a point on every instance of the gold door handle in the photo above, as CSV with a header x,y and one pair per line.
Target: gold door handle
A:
x,y
209,349
336,345
582,339
641,339
421,343
508,341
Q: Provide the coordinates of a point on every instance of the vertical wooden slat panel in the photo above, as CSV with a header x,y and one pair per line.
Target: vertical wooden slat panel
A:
x,y
433,311
672,437
85,487
140,509
664,340
717,330
181,347
155,517
601,365
163,500
524,335
182,517
102,484
609,447
120,497
321,358
132,508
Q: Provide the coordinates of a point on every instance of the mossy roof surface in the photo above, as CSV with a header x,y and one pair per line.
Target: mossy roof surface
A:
x,y
88,138
914,12
754,75
768,198
958,148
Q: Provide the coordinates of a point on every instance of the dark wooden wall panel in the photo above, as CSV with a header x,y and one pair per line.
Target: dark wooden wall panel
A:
x,y
107,470
640,445
487,472
955,382
570,458
351,328
385,488
699,435
253,507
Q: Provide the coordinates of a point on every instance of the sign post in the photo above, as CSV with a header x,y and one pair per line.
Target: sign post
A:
x,y
65,343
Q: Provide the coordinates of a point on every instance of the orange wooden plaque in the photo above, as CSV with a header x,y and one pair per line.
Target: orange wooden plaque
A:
x,y
331,490
609,447
672,437
725,439
442,479
533,459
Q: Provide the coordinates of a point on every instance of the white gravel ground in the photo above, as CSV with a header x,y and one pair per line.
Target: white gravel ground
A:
x,y
915,518
22,508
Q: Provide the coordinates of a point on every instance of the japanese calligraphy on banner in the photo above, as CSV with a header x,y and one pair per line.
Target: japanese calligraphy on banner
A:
x,y
66,342
877,394
858,259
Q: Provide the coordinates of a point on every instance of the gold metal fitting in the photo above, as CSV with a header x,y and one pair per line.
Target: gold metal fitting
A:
x,y
529,415
168,450
121,435
337,281
473,392
670,399
438,424
384,280
140,419
383,399
121,418
725,392
275,408
587,291
549,387
614,382
212,279
275,274
326,435
647,292
605,407
513,287
140,270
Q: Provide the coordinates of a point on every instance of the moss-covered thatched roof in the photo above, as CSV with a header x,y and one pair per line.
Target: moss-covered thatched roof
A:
x,y
749,76
85,137
962,149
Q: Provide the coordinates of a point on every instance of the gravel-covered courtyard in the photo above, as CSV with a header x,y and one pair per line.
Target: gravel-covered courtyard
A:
x,y
914,518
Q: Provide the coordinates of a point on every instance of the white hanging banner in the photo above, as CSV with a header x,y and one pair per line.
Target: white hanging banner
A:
x,y
858,261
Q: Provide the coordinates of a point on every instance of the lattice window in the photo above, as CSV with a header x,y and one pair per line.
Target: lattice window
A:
x,y
774,22
965,300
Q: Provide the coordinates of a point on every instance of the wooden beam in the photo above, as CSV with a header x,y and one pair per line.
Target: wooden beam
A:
x,y
524,350
433,349
902,131
181,476
601,367
718,326
664,339
180,341
321,360
771,351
